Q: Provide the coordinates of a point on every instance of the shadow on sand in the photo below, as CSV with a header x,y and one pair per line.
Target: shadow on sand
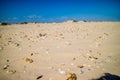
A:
x,y
108,76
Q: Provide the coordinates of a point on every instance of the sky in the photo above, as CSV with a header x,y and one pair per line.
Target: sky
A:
x,y
16,11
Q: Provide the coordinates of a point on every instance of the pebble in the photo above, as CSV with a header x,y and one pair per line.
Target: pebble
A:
x,y
74,58
31,54
88,70
31,61
81,72
7,60
80,66
39,77
5,66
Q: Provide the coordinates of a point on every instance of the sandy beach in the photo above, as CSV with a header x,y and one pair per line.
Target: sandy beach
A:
x,y
49,51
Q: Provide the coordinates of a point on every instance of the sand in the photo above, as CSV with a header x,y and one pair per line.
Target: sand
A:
x,y
51,50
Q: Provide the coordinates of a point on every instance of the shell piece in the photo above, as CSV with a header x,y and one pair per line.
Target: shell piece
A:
x,y
81,72
5,66
28,60
61,71
71,76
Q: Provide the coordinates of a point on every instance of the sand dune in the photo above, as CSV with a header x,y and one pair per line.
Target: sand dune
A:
x,y
49,51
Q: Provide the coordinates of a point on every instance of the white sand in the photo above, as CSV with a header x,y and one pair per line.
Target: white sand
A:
x,y
56,48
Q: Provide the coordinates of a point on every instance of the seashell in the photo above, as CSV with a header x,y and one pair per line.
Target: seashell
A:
x,y
5,66
81,72
61,71
29,60
69,75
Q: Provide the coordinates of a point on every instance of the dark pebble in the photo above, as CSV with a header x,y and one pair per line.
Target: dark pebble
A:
x,y
39,77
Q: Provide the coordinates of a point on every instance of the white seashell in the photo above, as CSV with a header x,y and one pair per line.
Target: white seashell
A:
x,y
5,66
81,72
61,71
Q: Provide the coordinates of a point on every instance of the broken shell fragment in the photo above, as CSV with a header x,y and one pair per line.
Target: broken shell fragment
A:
x,y
81,72
61,71
71,76
29,60
5,66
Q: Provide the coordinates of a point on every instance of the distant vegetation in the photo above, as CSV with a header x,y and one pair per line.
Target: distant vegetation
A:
x,y
5,23
84,21
75,21
24,23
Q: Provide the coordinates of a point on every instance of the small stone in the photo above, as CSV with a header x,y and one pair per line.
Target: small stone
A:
x,y
44,34
95,57
31,61
88,70
80,66
39,77
81,72
5,66
90,51
31,54
74,58
17,44
7,60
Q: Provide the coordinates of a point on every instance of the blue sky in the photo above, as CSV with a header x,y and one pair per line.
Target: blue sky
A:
x,y
15,11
